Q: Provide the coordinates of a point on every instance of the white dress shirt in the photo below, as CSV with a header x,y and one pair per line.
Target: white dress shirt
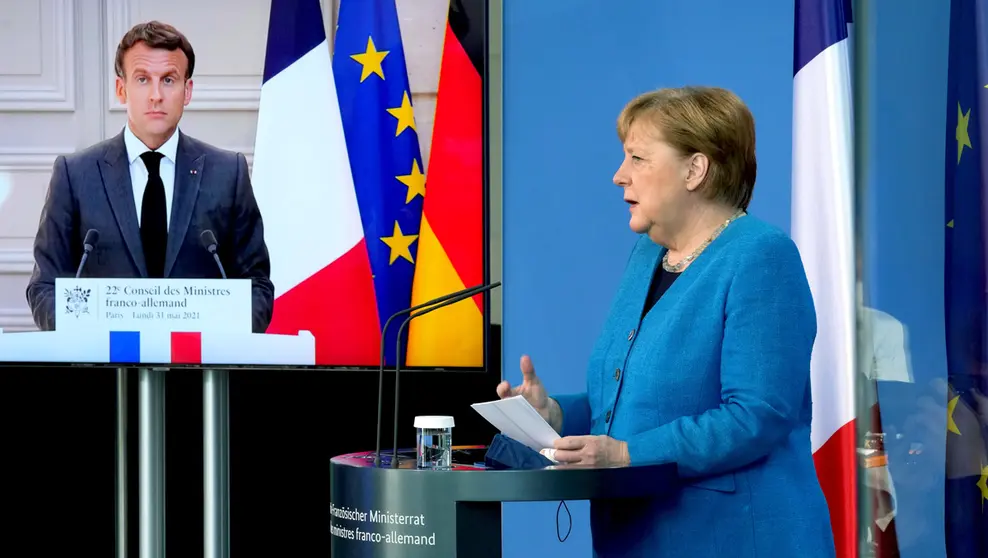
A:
x,y
139,173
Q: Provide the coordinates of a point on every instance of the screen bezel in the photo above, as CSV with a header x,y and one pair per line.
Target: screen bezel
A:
x,y
491,81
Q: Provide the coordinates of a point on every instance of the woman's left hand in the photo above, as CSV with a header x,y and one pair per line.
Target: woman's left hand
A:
x,y
599,451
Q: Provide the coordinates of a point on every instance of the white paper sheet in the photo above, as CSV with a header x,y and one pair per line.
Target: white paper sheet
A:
x,y
517,419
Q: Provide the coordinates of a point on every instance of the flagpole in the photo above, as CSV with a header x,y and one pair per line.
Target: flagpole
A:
x,y
866,391
151,419
861,91
216,463
121,464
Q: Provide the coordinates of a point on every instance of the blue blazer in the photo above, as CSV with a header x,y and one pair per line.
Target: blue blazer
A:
x,y
715,378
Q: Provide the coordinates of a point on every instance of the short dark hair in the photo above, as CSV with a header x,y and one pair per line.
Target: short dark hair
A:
x,y
154,34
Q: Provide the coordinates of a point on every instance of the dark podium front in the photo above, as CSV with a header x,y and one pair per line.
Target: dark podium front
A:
x,y
378,512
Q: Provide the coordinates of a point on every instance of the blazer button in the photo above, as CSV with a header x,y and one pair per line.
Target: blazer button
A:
x,y
607,416
631,335
617,374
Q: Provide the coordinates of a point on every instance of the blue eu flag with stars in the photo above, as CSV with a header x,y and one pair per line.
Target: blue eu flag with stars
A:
x,y
383,147
964,284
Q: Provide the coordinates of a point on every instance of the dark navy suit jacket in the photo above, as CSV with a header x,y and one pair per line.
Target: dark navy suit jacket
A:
x,y
91,189
714,378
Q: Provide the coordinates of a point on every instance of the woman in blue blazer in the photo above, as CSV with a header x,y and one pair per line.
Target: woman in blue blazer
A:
x,y
704,360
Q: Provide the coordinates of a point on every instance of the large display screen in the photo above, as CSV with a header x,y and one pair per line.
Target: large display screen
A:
x,y
343,217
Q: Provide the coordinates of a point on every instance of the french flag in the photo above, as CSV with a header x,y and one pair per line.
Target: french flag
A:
x,y
155,347
822,227
305,190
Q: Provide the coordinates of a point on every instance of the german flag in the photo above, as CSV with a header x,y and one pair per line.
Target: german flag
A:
x,y
451,237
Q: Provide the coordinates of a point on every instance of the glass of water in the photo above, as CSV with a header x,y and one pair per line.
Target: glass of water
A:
x,y
433,442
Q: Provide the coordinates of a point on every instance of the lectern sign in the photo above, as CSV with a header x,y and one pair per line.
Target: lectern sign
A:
x,y
381,526
399,519
150,304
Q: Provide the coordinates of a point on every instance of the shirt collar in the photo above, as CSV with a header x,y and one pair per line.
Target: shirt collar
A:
x,y
135,147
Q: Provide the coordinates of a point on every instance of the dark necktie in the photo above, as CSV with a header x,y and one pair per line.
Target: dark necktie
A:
x,y
154,224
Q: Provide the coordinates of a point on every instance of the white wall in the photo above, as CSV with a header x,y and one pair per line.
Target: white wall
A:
x,y
56,95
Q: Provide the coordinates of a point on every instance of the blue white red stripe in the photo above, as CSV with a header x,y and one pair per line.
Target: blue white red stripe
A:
x,y
822,227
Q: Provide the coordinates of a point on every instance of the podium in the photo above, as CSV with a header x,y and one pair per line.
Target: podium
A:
x,y
154,325
380,512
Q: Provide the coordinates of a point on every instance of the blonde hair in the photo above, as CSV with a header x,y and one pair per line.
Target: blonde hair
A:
x,y
708,120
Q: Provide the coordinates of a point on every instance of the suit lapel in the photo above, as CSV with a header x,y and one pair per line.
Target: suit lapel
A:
x,y
115,170
188,172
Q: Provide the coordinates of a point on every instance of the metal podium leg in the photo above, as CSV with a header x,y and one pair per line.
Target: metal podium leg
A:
x,y
151,405
121,464
216,463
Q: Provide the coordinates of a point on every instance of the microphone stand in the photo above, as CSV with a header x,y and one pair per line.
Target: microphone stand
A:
x,y
82,264
215,442
88,245
380,377
449,302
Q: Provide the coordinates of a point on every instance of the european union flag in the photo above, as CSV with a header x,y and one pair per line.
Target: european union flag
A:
x,y
382,141
964,283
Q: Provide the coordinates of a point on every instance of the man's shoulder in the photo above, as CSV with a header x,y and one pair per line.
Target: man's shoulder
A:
x,y
196,145
95,151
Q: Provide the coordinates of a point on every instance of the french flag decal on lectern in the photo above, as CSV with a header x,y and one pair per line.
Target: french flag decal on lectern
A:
x,y
822,227
186,347
304,188
156,347
125,346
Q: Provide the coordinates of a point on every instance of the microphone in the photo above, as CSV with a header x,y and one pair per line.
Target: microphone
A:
x,y
380,376
415,314
92,237
208,240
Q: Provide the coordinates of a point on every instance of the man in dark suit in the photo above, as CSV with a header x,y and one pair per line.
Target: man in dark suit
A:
x,y
151,191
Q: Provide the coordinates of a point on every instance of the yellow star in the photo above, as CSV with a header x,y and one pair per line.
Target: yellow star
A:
x,y
951,425
950,223
983,485
406,119
400,244
415,181
963,139
370,60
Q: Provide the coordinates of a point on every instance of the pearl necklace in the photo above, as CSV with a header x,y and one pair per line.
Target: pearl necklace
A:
x,y
686,261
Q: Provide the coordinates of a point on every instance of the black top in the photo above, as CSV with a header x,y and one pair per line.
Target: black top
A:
x,y
661,281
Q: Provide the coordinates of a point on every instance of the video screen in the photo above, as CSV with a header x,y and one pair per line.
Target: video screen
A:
x,y
272,211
